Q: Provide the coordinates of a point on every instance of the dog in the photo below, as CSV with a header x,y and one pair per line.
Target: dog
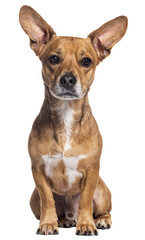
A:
x,y
65,143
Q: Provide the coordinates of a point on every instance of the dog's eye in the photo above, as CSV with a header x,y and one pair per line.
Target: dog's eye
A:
x,y
54,59
86,62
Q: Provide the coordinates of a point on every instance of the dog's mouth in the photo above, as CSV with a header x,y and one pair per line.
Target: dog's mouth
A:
x,y
68,94
64,96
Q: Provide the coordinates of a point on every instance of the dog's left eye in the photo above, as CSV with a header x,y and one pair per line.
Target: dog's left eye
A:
x,y
86,62
54,59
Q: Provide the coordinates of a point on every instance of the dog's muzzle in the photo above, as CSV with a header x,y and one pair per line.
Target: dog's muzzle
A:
x,y
67,88
68,81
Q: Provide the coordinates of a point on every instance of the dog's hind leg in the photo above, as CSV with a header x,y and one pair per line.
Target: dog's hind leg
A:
x,y
102,206
35,204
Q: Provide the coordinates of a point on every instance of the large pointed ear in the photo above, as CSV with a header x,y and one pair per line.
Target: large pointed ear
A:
x,y
105,37
37,29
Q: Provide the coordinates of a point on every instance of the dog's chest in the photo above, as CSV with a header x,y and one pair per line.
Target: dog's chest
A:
x,y
63,171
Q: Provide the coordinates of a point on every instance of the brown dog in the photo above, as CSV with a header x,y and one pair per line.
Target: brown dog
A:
x,y
65,143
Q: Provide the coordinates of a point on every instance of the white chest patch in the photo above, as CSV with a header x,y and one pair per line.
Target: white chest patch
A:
x,y
66,115
50,163
71,165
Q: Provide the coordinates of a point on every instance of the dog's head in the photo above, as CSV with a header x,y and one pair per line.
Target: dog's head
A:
x,y
68,63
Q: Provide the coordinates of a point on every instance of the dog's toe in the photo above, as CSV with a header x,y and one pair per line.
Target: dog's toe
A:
x,y
86,230
103,222
47,230
65,223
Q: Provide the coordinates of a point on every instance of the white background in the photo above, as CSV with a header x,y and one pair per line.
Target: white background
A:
x,y
117,98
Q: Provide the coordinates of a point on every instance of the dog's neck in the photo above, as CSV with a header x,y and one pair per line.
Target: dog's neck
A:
x,y
64,115
58,109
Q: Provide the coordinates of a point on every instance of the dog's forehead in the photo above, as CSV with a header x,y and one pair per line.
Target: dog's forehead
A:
x,y
72,45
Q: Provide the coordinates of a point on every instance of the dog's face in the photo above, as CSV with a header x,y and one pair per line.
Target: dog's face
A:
x,y
68,66
68,63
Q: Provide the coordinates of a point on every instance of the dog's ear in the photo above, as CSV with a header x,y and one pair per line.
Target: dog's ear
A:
x,y
105,37
37,29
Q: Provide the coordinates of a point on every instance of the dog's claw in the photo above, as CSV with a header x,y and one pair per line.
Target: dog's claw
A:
x,y
95,232
38,231
99,225
55,232
108,226
78,232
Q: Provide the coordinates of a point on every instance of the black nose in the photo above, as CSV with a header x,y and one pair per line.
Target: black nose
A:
x,y
68,80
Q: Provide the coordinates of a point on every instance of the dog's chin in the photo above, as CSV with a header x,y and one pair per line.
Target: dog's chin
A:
x,y
65,96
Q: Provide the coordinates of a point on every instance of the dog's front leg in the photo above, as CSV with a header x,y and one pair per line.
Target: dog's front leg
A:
x,y
48,219
85,222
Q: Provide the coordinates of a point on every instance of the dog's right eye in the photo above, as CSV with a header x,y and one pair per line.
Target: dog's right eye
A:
x,y
54,59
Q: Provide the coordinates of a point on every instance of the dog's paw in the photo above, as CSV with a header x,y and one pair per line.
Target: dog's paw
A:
x,y
103,223
86,229
65,223
47,229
